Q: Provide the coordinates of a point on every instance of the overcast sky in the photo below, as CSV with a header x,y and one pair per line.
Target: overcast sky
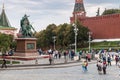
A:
x,y
45,12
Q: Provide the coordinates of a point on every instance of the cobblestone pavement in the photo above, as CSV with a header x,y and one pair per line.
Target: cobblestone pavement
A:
x,y
64,73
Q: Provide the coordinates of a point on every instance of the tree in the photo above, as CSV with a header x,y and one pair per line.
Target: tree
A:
x,y
5,42
45,37
82,36
111,11
64,35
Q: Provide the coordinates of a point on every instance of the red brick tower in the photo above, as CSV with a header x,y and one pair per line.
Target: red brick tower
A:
x,y
79,11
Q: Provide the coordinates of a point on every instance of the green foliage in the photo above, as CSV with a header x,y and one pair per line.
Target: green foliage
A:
x,y
45,37
82,35
106,45
111,11
64,36
5,42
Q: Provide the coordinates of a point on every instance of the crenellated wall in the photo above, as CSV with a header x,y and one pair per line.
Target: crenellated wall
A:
x,y
103,27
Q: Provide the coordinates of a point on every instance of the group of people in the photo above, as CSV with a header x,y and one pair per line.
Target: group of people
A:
x,y
101,66
105,61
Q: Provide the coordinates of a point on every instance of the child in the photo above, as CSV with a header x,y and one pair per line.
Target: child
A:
x,y
84,66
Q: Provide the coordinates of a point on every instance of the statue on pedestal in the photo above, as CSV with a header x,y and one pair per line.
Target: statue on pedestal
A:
x,y
26,28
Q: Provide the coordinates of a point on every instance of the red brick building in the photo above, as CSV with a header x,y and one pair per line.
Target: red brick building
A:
x,y
102,27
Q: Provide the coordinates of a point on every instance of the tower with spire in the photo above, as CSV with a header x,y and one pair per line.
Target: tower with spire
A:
x,y
3,19
5,26
79,11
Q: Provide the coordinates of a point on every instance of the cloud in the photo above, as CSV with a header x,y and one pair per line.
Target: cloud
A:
x,y
45,12
32,2
101,1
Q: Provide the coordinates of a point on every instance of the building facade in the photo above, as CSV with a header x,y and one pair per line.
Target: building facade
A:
x,y
102,27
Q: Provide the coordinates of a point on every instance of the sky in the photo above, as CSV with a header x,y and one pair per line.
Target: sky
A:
x,y
45,12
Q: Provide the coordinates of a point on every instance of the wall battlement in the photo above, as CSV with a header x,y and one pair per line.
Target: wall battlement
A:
x,y
103,27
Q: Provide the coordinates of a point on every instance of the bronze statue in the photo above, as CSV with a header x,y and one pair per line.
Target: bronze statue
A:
x,y
26,27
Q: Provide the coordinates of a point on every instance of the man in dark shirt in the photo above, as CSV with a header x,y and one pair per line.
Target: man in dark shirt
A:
x,y
4,64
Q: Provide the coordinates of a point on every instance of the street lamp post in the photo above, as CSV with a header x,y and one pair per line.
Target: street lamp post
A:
x,y
89,40
54,37
75,30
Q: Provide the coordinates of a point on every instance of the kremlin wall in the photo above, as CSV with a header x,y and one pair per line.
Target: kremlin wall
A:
x,y
102,27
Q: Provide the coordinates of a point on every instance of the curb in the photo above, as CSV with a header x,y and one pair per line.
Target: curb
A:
x,y
44,66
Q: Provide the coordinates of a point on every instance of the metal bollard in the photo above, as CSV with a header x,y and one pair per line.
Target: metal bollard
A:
x,y
11,62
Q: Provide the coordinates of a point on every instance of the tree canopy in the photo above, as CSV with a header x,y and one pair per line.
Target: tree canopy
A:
x,y
111,11
64,35
6,41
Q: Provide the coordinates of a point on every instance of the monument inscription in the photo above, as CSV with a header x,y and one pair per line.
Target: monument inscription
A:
x,y
30,46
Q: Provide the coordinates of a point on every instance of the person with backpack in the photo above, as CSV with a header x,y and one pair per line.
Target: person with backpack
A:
x,y
109,61
99,66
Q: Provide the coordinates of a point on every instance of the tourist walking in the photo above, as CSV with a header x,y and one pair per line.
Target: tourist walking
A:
x,y
4,63
86,57
84,66
51,59
109,61
99,66
72,54
40,51
55,54
89,57
116,59
80,55
104,67
59,54
119,67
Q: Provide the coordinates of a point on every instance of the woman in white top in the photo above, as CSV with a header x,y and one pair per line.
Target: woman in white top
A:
x,y
99,66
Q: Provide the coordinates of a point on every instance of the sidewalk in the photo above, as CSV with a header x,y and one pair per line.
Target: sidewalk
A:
x,y
44,63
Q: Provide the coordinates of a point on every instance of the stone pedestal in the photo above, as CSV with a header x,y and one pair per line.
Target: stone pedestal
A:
x,y
26,47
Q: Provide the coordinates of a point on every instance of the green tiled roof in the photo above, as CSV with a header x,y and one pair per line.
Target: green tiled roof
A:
x,y
3,19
